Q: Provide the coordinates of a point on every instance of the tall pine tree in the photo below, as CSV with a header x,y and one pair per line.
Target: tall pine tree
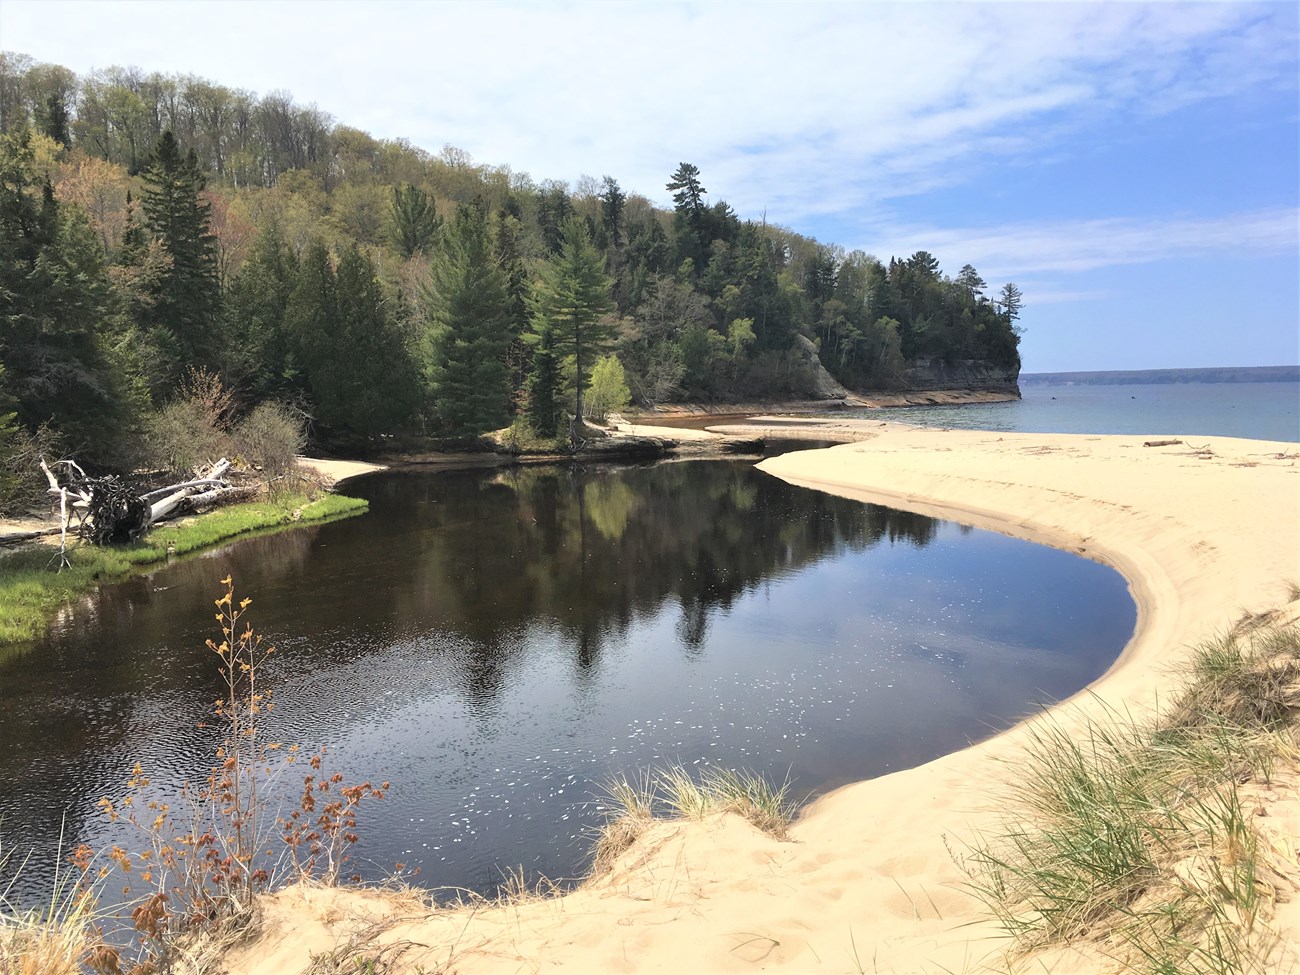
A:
x,y
255,309
375,391
469,330
571,302
178,217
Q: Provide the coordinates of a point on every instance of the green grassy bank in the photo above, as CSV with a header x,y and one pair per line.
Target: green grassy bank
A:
x,y
30,588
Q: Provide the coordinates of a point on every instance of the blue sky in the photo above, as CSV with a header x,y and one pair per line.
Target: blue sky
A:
x,y
1134,168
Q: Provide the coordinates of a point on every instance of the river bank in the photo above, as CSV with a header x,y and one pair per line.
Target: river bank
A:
x,y
1204,535
31,591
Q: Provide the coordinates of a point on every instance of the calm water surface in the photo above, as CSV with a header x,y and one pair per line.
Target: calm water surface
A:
x,y
498,644
1258,411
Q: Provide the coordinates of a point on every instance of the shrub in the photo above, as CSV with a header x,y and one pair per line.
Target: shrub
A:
x,y
194,429
269,439
22,485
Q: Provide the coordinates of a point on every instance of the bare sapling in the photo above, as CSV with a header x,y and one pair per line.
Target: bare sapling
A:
x,y
207,857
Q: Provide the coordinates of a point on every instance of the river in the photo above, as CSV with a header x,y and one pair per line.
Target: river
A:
x,y
500,643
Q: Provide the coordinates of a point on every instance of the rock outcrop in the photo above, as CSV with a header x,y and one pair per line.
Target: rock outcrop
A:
x,y
972,374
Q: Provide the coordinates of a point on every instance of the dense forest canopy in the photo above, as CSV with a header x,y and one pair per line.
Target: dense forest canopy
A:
x,y
158,228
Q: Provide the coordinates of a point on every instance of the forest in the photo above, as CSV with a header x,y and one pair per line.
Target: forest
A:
x,y
180,259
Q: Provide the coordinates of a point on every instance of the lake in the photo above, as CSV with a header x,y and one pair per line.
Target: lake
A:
x,y
500,643
1260,411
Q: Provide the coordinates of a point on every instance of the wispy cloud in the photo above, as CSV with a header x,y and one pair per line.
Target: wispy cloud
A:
x,y
1021,250
852,105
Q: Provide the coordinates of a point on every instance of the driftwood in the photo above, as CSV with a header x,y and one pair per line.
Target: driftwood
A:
x,y
1160,443
107,511
14,538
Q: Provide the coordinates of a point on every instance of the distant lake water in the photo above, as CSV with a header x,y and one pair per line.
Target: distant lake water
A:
x,y
1258,411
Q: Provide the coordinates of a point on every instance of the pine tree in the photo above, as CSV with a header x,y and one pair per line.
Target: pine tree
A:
x,y
543,386
176,214
688,194
689,220
55,309
414,215
1010,301
468,330
256,309
374,392
571,301
51,118
506,249
311,321
612,202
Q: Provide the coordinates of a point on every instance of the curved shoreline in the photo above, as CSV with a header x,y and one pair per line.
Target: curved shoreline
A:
x,y
1202,535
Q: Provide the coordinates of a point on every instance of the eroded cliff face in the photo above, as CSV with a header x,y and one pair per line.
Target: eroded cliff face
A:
x,y
972,374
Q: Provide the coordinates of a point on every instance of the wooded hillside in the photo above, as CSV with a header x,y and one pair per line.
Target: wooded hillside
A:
x,y
157,231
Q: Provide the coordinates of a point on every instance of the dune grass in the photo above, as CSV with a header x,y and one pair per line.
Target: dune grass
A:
x,y
31,588
1138,837
633,804
58,939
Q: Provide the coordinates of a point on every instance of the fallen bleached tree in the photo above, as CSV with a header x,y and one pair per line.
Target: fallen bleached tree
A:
x,y
106,510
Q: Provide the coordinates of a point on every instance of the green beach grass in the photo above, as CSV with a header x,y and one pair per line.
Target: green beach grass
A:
x,y
1140,836
30,588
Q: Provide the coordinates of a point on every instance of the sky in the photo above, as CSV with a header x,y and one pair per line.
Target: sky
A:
x,y
1133,168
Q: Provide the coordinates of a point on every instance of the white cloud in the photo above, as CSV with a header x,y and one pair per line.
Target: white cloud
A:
x,y
1021,250
807,109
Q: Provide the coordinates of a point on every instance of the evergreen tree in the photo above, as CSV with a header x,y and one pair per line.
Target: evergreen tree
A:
x,y
970,280
689,218
688,194
506,249
311,321
570,301
374,391
414,215
55,310
176,214
553,210
51,118
1010,300
543,385
469,330
353,362
255,308
612,202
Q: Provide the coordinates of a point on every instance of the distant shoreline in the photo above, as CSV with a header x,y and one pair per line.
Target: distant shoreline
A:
x,y
1125,377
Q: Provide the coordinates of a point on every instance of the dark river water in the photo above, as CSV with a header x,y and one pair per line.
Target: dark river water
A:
x,y
500,643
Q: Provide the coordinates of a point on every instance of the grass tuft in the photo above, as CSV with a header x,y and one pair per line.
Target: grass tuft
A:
x,y
633,805
1135,835
61,939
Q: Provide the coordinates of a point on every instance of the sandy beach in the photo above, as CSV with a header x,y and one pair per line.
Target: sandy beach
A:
x,y
333,472
1206,532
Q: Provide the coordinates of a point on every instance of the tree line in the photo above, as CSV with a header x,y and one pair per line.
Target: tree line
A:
x,y
158,228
